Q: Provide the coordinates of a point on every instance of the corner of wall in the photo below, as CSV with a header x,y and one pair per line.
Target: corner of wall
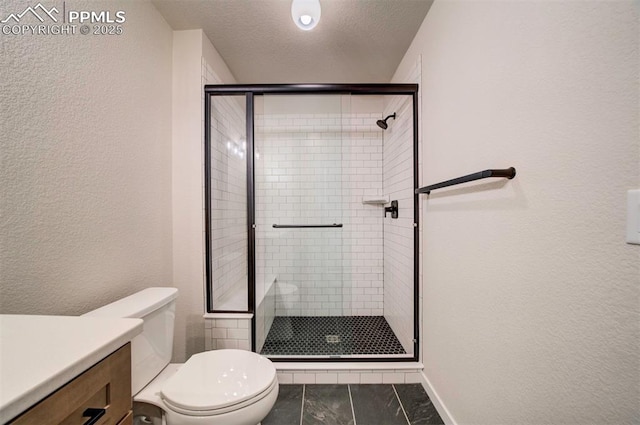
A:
x,y
190,49
215,60
444,413
186,190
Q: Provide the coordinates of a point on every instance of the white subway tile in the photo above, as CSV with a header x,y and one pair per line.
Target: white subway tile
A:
x,y
238,334
218,333
226,343
304,378
371,378
285,378
412,378
393,378
326,378
349,378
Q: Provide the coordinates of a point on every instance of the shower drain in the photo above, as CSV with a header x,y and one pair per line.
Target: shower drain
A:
x,y
332,339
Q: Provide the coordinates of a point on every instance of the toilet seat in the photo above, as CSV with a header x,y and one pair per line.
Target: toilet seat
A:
x,y
220,411
217,382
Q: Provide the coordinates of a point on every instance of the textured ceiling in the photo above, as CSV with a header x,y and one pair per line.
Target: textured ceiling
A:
x,y
355,40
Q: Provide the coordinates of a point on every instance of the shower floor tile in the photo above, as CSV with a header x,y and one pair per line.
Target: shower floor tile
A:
x,y
331,336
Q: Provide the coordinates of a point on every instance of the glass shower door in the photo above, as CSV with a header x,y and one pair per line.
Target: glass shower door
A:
x,y
299,224
297,188
227,241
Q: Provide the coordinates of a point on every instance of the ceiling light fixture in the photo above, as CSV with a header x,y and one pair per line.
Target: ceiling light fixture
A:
x,y
306,13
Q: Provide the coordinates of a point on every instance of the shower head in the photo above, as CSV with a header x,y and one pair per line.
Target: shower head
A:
x,y
383,123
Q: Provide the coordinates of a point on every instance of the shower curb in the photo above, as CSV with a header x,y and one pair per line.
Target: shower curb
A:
x,y
349,373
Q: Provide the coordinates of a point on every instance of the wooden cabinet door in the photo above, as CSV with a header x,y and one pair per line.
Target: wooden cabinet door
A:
x,y
127,420
107,385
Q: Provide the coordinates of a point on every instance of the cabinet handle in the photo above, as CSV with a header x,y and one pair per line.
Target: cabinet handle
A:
x,y
94,415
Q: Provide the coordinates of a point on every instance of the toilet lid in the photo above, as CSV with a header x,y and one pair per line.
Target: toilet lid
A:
x,y
218,379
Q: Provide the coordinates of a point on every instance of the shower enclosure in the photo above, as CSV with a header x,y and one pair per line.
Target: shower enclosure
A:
x,y
311,219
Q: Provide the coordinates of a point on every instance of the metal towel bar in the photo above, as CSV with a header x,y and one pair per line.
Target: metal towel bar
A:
x,y
304,226
508,173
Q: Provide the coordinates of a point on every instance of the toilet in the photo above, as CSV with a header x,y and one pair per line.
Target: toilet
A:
x,y
226,387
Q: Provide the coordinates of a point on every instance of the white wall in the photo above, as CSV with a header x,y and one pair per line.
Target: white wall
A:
x,y
85,163
192,54
530,291
188,241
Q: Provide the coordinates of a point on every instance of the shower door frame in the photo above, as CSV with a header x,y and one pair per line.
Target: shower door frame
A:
x,y
249,91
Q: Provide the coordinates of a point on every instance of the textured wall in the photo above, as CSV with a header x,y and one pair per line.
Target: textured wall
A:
x,y
530,291
85,163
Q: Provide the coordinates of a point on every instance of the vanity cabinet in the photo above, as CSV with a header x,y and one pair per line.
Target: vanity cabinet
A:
x,y
102,392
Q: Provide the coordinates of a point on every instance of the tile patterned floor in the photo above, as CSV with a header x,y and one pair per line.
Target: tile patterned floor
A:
x,y
375,404
304,335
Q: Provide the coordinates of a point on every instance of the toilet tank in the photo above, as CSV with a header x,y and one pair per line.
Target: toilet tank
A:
x,y
151,350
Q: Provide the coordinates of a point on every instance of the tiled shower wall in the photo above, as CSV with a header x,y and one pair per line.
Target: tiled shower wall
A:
x,y
228,201
362,240
398,234
316,169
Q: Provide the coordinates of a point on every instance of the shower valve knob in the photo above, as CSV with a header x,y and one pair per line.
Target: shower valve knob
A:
x,y
393,209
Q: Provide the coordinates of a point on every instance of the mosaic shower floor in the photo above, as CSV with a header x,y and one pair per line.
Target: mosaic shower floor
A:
x,y
331,336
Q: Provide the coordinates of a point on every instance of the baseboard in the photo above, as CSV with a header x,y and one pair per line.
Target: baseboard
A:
x,y
436,400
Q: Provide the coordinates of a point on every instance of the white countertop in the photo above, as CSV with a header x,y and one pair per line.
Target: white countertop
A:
x,y
39,354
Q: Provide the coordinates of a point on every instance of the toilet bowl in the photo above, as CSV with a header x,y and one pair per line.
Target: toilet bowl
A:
x,y
220,387
214,388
